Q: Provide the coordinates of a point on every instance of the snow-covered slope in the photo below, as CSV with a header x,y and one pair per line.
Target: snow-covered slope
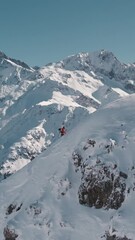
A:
x,y
52,197
35,103
12,84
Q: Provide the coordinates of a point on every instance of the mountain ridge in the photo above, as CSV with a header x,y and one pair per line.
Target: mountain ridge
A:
x,y
18,62
29,97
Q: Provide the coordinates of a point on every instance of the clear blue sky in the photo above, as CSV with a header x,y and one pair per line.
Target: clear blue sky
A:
x,y
43,31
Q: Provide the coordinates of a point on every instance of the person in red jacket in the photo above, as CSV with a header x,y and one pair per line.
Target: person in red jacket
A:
x,y
62,131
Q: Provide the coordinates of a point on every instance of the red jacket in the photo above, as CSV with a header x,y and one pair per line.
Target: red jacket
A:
x,y
63,131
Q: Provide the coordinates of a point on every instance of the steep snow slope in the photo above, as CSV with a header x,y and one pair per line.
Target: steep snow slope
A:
x,y
12,84
40,111
41,201
35,103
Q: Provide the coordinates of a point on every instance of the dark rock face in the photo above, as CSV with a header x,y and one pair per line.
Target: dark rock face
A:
x,y
2,55
114,237
9,234
102,188
23,64
13,207
18,62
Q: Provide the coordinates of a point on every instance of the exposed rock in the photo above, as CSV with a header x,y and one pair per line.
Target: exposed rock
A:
x,y
18,62
124,175
114,237
13,207
9,234
77,158
87,102
2,55
89,144
102,187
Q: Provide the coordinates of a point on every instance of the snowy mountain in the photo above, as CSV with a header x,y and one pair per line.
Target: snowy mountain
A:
x,y
104,64
83,186
34,102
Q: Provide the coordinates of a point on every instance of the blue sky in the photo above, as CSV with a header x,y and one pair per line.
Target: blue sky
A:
x,y
43,31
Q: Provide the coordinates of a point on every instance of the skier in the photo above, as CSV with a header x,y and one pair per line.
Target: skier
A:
x,y
62,131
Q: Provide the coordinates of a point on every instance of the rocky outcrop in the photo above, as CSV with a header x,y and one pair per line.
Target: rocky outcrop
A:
x,y
103,188
103,184
9,234
113,236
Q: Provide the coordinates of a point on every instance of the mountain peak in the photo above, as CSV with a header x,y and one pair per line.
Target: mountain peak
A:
x,y
2,55
105,53
96,54
98,61
18,62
